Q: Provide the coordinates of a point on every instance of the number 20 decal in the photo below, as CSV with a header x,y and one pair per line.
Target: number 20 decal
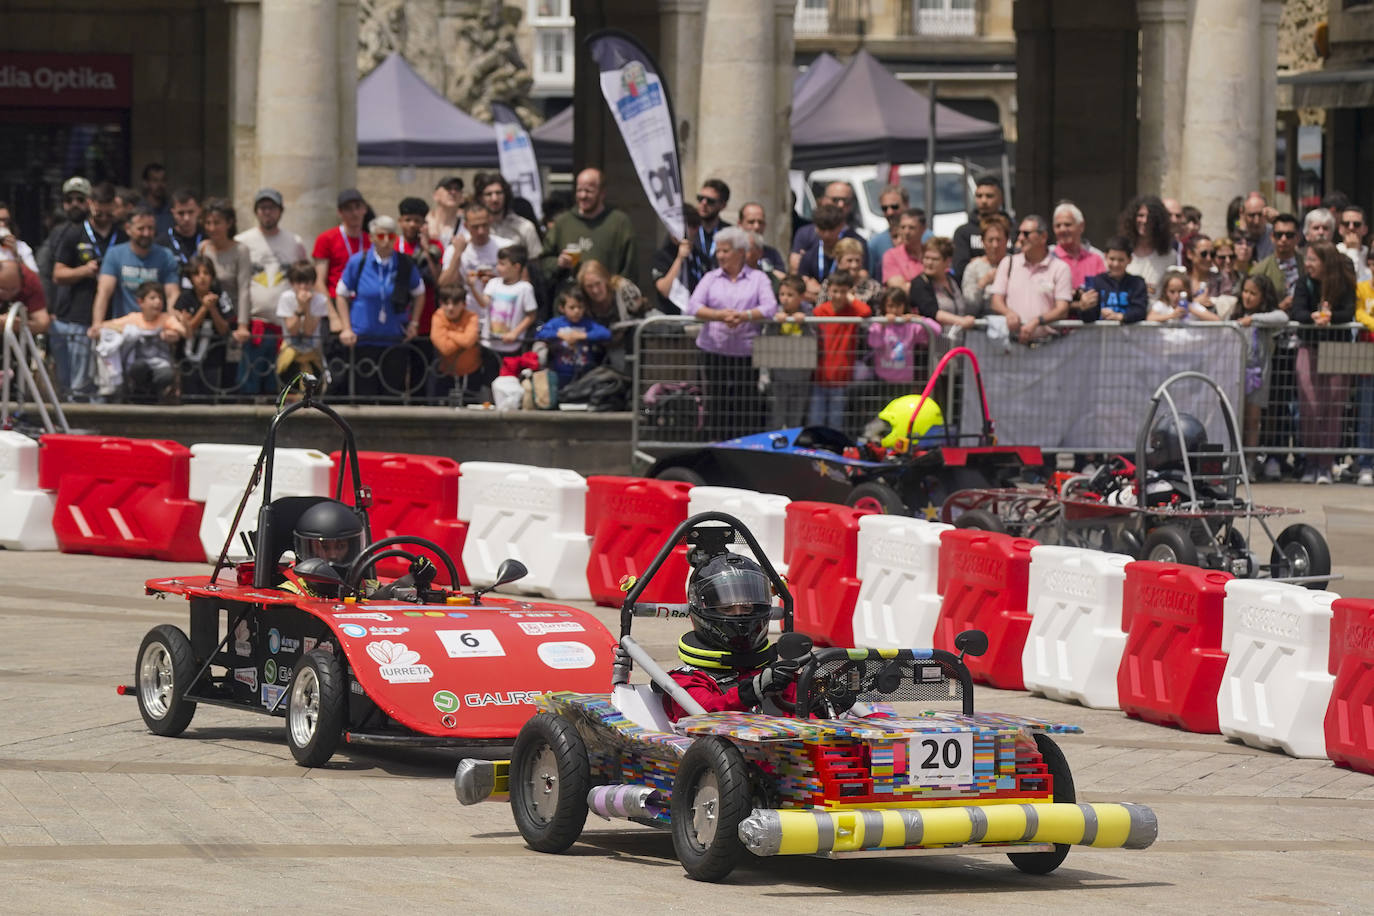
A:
x,y
944,753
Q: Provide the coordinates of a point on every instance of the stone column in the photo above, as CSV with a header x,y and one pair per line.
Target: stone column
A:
x,y
738,108
784,72
1163,73
298,112
347,75
244,29
1222,108
1270,11
680,24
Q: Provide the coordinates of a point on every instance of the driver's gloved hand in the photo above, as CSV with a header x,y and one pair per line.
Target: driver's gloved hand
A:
x,y
773,679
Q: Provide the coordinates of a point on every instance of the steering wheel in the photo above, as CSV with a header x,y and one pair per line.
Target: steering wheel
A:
x,y
379,551
832,696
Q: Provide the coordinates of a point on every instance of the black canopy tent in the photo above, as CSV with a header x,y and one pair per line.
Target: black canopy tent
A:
x,y
553,141
865,114
402,120
809,84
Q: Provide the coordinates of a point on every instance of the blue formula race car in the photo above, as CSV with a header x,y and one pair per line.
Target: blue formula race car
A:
x,y
876,752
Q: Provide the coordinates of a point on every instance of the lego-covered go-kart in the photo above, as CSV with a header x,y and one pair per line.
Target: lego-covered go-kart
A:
x,y
346,657
1196,508
912,475
842,776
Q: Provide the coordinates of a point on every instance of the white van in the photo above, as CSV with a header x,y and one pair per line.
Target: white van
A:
x,y
953,194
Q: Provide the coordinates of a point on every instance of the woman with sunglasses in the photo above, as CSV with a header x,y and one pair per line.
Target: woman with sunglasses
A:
x,y
380,297
1323,300
1224,257
1203,281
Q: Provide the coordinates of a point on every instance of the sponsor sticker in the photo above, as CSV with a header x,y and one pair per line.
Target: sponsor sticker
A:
x,y
357,688
388,631
352,629
290,645
446,701
510,698
284,674
398,664
539,628
269,670
565,655
383,618
470,643
243,639
247,676
271,695
457,615
274,640
309,643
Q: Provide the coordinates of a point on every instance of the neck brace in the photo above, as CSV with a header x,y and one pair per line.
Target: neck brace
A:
x,y
694,652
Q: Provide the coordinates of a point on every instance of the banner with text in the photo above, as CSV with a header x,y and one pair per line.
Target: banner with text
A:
x,y
516,153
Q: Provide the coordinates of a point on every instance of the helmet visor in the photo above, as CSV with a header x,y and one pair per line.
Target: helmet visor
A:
x,y
738,589
337,551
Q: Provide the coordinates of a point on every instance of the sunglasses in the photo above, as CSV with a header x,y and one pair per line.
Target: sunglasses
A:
x,y
1026,232
383,236
1204,252
891,208
708,199
1285,234
1223,257
1352,223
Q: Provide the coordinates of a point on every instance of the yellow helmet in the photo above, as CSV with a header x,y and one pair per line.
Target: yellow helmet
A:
x,y
894,419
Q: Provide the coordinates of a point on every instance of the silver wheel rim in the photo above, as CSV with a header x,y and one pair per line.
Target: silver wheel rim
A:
x,y
303,713
705,809
156,681
1163,553
1299,560
543,785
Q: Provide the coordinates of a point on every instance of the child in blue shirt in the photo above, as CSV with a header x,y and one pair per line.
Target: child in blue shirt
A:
x,y
573,338
1115,294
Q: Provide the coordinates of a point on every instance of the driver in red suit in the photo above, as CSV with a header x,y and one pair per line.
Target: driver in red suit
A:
x,y
729,664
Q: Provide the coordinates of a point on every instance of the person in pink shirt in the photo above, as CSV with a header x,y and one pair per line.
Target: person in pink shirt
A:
x,y
1033,288
902,264
1084,261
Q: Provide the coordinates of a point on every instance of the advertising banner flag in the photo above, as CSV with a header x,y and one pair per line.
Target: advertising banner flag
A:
x,y
516,155
639,102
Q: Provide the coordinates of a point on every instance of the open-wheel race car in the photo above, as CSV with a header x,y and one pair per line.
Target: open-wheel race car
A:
x,y
876,752
343,656
909,460
1196,508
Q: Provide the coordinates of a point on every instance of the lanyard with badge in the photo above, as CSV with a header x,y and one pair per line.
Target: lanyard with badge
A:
x,y
348,244
384,271
176,246
95,245
820,263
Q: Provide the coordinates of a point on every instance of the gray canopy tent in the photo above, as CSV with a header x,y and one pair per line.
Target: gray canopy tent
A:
x,y
808,84
553,141
402,120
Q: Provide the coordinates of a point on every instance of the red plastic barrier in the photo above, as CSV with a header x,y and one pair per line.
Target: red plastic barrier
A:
x,y
821,548
122,497
1172,665
984,578
1350,715
628,519
411,495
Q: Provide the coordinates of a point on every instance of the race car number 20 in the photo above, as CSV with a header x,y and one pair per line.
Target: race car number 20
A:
x,y
941,760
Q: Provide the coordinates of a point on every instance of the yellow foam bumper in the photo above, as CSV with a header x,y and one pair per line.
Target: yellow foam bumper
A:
x,y
771,832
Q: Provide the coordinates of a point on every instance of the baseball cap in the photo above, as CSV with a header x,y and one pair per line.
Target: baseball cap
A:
x,y
453,180
348,195
76,185
271,194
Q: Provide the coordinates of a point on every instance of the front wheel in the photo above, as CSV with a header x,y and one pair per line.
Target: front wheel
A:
x,y
1170,544
1042,863
710,798
1300,550
163,675
981,520
550,777
876,496
681,474
316,708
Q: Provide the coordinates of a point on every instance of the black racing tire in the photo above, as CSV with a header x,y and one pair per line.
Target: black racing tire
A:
x,y
162,677
877,496
684,475
1300,550
1042,863
982,520
710,798
550,777
1170,544
316,708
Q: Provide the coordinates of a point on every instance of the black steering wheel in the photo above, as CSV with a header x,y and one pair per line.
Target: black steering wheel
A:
x,y
380,551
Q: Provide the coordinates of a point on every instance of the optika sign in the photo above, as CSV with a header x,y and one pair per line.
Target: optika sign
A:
x,y
66,80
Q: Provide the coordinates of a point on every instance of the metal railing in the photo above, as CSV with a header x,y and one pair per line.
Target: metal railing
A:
x,y
24,376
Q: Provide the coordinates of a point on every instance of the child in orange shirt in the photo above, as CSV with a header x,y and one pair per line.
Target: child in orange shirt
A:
x,y
454,330
838,347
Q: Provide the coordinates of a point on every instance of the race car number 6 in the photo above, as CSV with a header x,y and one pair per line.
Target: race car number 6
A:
x,y
941,759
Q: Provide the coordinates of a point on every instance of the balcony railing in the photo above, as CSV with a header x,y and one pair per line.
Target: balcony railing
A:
x,y
948,22
815,19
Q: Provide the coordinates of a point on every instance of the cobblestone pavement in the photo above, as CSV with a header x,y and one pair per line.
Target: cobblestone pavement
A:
x,y
96,814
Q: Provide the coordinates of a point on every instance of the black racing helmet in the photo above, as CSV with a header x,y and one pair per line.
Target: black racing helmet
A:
x,y
1168,442
730,601
330,531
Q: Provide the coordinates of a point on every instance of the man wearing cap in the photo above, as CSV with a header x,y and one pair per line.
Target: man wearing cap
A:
x,y
442,220
334,246
380,297
76,193
272,250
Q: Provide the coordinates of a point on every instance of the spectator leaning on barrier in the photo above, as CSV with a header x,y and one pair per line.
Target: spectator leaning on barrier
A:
x,y
1364,384
968,242
271,251
1114,294
1146,224
128,266
1259,311
21,285
995,231
575,341
145,347
1354,229
232,260
1203,279
894,201
839,345
934,294
184,236
76,271
1282,266
379,296
1324,297
837,194
902,263
728,300
303,312
207,317
590,230
1033,287
507,301
790,388
456,332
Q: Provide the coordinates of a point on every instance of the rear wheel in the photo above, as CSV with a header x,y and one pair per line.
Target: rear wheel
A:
x,y
1300,550
710,798
980,519
163,675
316,708
549,780
1042,863
1170,544
685,475
876,496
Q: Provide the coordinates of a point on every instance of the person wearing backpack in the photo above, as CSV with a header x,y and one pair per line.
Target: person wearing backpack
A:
x,y
380,296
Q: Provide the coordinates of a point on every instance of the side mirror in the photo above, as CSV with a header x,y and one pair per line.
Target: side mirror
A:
x,y
509,571
971,642
794,645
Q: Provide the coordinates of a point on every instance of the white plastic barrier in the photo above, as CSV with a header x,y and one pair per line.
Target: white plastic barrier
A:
x,y
1276,686
219,474
764,514
898,567
25,510
1074,645
476,477
536,516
